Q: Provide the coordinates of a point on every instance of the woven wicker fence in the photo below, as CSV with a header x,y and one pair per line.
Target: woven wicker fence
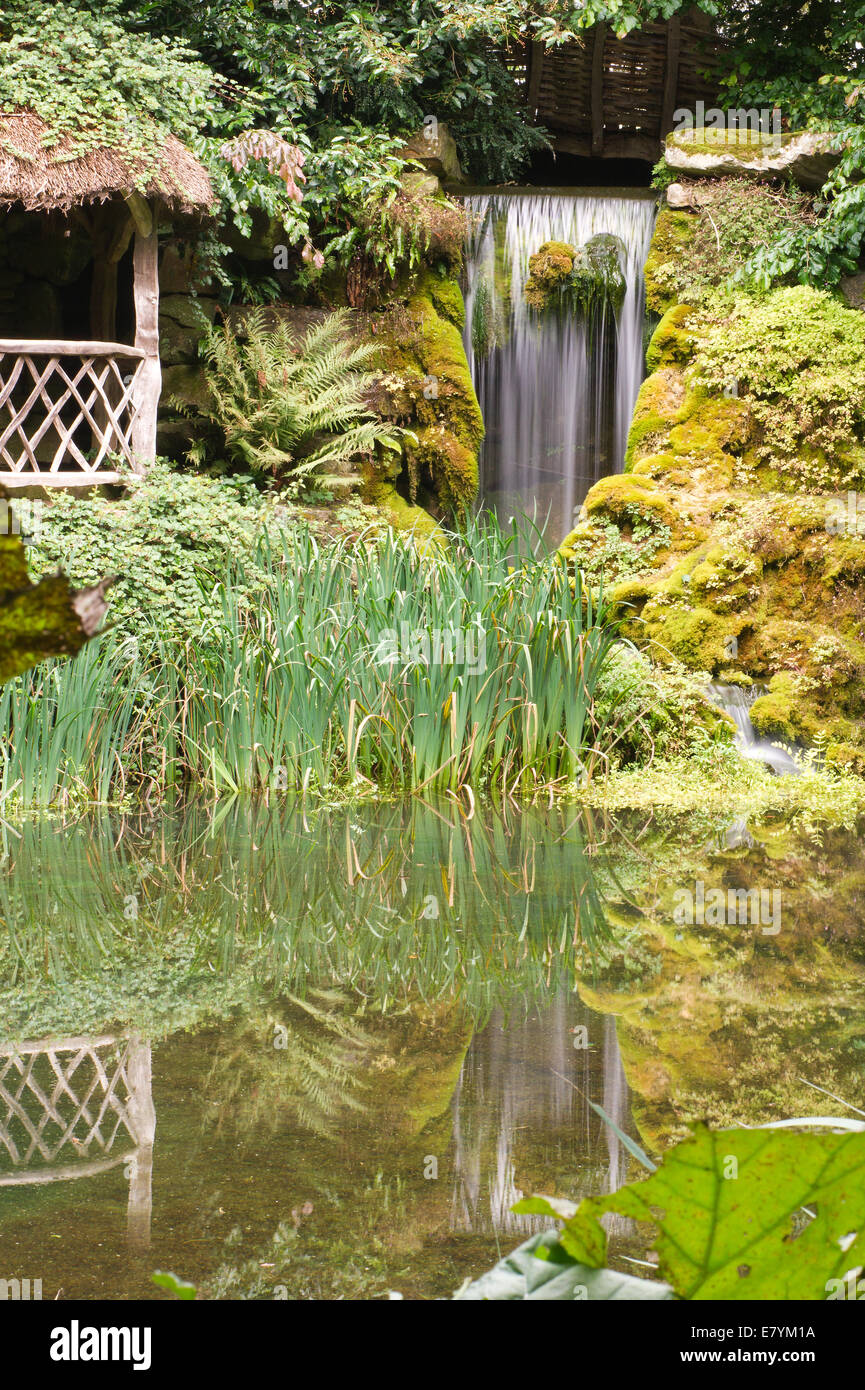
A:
x,y
615,98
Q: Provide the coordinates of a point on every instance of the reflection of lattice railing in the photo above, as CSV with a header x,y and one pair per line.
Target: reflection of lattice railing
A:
x,y
75,1107
64,1099
66,403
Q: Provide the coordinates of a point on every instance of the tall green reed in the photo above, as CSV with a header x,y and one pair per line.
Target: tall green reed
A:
x,y
462,663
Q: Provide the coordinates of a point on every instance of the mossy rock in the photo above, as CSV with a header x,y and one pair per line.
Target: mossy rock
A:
x,y
695,636
674,232
671,343
400,513
626,499
778,714
549,270
581,280
597,279
447,297
432,394
660,398
452,467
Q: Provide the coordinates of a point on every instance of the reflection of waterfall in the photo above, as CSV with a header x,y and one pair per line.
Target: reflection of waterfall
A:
x,y
521,1118
736,702
556,394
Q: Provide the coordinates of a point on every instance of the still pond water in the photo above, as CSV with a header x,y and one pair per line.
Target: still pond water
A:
x,y
286,1053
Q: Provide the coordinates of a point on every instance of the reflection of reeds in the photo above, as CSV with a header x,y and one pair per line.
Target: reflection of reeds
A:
x,y
412,899
298,1066
296,681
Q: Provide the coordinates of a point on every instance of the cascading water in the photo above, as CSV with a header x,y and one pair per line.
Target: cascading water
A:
x,y
736,702
557,390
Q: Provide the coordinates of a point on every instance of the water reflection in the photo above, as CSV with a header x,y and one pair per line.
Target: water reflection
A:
x,y
73,1108
327,1053
522,1121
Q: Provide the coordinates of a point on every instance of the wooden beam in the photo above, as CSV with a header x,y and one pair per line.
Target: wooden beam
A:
x,y
671,76
141,213
148,384
67,347
11,482
598,90
536,67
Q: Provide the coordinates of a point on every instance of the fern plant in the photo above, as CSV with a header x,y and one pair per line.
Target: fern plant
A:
x,y
289,406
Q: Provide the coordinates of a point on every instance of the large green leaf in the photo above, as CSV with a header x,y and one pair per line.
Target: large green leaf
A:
x,y
541,1269
747,1214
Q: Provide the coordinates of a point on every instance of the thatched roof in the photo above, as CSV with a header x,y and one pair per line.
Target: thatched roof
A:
x,y
46,179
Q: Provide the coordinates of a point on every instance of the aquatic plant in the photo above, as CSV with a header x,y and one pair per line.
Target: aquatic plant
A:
x,y
465,663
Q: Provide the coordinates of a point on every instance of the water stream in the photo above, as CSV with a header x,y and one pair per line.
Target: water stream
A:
x,y
557,393
736,702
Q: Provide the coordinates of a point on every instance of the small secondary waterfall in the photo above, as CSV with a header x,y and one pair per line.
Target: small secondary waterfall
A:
x,y
736,702
557,392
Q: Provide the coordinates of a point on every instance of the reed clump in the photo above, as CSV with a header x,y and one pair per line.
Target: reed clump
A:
x,y
463,662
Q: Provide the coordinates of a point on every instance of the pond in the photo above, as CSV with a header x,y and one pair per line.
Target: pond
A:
x,y
319,1054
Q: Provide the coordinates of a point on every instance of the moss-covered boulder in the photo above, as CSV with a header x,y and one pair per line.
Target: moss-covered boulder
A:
x,y
428,389
549,273
807,157
581,280
731,544
674,232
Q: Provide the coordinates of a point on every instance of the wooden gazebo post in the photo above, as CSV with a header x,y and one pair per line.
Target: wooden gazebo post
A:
x,y
148,382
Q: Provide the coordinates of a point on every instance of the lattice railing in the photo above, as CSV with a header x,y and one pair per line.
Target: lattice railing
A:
x,y
66,403
68,1101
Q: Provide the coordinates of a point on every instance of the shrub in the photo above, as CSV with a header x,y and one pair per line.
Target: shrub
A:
x,y
797,356
167,541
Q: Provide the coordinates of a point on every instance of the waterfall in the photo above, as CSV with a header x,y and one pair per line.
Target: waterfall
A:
x,y
557,392
736,702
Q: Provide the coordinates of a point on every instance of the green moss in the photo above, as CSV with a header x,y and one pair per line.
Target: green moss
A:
x,y
746,145
658,403
695,636
431,392
623,498
583,280
400,513
671,343
549,270
447,297
674,232
452,467
778,714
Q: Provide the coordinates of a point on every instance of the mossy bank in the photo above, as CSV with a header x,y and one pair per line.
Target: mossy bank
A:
x,y
733,543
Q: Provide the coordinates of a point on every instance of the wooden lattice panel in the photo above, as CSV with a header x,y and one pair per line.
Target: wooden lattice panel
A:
x,y
66,404
65,1100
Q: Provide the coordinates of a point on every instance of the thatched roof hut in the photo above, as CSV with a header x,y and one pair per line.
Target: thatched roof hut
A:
x,y
68,407
45,177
